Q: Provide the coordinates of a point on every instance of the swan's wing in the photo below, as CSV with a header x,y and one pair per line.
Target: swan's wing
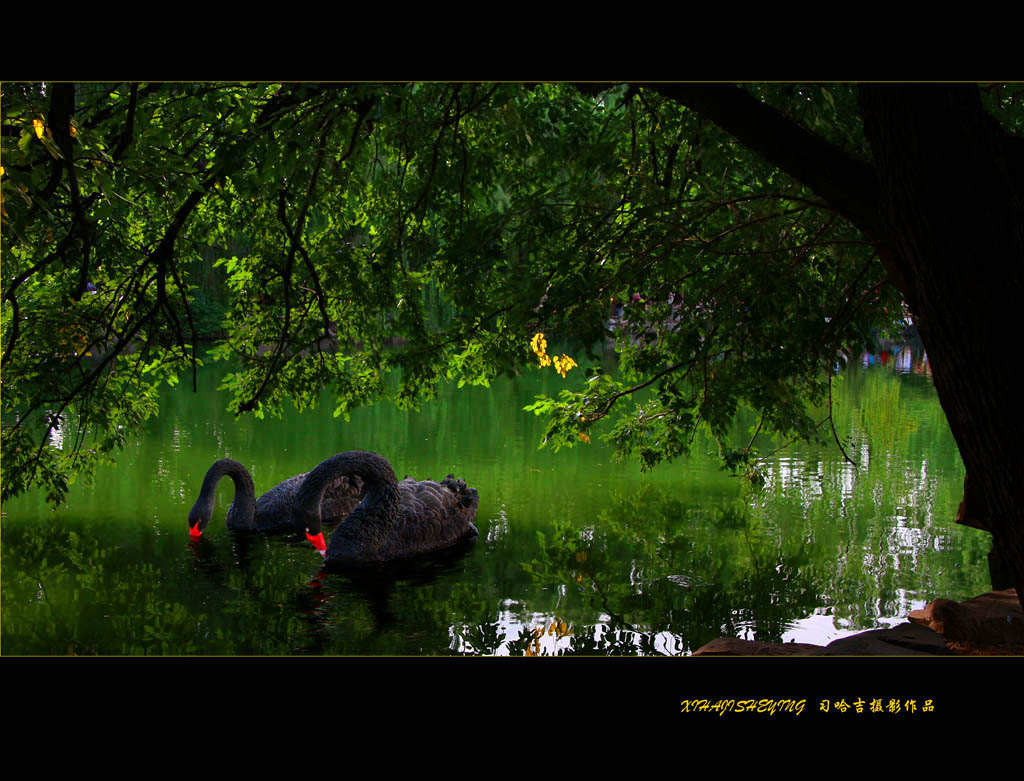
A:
x,y
341,498
433,515
466,498
275,509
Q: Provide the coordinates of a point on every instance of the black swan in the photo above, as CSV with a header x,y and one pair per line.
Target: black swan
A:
x,y
393,521
272,513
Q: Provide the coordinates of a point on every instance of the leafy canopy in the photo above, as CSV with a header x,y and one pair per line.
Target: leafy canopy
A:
x,y
426,231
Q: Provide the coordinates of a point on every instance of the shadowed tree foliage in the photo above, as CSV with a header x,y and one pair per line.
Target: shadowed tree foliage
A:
x,y
733,241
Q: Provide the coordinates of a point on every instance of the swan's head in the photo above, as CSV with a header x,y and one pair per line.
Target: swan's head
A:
x,y
198,517
310,520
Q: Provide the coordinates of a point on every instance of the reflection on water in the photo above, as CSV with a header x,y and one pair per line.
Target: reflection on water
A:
x,y
57,426
548,634
904,356
577,555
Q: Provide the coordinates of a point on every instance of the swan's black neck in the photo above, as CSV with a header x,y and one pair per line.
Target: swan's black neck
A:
x,y
242,512
379,507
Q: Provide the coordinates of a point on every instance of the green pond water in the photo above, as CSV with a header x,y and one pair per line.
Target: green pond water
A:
x,y
577,554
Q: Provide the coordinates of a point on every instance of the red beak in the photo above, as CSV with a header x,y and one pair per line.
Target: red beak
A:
x,y
318,543
195,532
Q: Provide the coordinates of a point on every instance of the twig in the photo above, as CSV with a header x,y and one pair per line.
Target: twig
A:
x,y
616,396
833,424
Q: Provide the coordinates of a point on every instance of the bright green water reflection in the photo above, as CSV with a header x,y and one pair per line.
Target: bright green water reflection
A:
x,y
577,554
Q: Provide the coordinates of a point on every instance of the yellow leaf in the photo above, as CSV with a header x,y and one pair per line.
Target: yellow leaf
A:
x,y
564,363
38,125
539,344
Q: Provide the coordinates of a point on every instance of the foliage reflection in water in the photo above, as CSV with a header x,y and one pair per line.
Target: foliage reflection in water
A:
x,y
577,555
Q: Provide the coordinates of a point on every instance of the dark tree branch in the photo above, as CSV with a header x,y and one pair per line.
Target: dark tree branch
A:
x,y
128,132
62,109
628,391
848,184
13,337
832,423
162,255
295,241
363,109
318,291
95,118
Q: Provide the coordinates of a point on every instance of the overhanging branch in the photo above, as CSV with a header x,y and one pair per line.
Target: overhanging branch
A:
x,y
848,184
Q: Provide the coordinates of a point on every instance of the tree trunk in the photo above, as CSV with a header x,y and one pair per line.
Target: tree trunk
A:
x,y
951,203
943,202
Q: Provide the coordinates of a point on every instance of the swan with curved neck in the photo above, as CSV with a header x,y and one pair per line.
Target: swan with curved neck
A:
x,y
273,512
393,521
